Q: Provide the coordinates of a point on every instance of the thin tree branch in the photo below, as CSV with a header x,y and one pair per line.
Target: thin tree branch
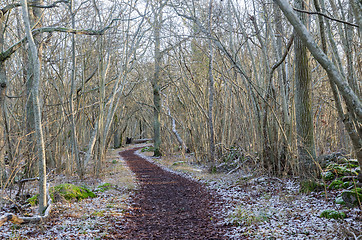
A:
x,y
7,53
326,16
277,64
9,7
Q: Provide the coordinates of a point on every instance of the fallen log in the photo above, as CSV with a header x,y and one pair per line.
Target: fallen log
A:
x,y
141,140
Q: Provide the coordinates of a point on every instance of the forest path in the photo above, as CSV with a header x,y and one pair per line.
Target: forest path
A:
x,y
168,206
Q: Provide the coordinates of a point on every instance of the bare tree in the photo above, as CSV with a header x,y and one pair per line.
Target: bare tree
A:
x,y
157,11
211,92
37,110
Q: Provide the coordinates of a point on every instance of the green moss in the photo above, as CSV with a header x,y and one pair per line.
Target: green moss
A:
x,y
104,187
340,170
350,165
332,214
347,184
33,200
308,186
70,192
328,175
339,200
336,184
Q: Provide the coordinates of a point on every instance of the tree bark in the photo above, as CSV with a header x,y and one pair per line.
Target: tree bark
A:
x,y
3,87
303,102
37,110
211,93
156,83
35,20
75,147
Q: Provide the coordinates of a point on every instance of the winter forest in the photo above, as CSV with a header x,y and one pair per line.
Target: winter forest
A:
x,y
115,112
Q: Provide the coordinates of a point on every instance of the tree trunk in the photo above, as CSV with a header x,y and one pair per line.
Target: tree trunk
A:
x,y
75,147
156,84
357,10
211,93
303,102
285,151
37,110
3,86
116,137
34,18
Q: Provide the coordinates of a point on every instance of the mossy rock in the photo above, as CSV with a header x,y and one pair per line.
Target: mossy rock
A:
x,y
70,192
353,161
104,187
350,165
352,197
340,170
328,175
65,192
336,184
308,186
332,214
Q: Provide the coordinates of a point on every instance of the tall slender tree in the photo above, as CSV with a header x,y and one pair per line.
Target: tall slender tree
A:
x,y
157,11
40,147
211,91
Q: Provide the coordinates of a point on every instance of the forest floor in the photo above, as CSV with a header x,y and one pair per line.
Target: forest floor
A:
x,y
174,198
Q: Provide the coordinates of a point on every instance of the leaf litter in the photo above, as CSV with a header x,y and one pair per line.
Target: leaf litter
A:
x,y
252,207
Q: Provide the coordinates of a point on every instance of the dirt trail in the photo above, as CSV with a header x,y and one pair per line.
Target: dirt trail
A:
x,y
167,206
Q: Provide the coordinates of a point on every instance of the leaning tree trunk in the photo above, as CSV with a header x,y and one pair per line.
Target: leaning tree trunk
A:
x,y
37,110
303,102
